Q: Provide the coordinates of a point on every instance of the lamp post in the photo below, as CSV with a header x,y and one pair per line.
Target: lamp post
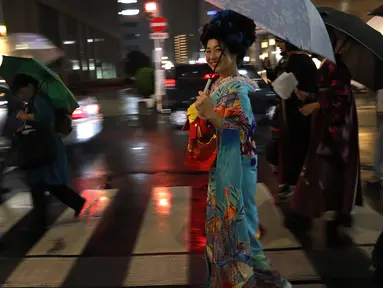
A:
x,y
152,11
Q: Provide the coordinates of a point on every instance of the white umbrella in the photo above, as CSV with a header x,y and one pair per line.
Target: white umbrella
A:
x,y
295,21
31,46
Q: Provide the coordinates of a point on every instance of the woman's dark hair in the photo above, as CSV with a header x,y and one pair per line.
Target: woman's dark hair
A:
x,y
235,31
23,80
289,47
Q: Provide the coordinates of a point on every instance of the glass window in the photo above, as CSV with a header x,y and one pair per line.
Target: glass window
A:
x,y
131,24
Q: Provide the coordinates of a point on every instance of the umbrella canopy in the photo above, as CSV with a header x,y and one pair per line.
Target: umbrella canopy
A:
x,y
50,82
377,12
30,46
295,21
360,45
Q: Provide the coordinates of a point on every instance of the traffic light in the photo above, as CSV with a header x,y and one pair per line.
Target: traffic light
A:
x,y
151,9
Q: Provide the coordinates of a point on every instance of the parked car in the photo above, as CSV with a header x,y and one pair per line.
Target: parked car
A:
x,y
184,81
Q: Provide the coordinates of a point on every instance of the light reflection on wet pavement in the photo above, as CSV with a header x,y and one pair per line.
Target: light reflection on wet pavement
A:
x,y
149,232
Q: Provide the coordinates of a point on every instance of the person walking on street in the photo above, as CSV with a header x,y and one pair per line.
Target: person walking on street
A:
x,y
52,177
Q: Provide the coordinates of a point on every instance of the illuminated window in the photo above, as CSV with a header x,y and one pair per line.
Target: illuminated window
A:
x,y
264,45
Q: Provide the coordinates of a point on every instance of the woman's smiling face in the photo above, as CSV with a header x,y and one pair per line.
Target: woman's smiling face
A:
x,y
213,52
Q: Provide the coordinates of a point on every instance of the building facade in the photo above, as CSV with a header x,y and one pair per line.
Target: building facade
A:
x,y
134,27
87,31
185,18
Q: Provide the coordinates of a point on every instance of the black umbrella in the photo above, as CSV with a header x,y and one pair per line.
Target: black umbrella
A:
x,y
360,45
377,12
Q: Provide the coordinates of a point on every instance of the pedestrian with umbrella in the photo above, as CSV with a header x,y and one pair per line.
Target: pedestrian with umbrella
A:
x,y
234,255
41,152
330,178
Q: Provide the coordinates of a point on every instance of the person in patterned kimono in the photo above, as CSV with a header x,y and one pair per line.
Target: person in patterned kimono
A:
x,y
330,178
233,253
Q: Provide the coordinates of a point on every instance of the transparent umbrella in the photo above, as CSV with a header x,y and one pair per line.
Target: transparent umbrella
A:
x,y
30,45
295,21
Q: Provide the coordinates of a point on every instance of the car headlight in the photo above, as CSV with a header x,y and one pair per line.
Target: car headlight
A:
x,y
178,117
271,112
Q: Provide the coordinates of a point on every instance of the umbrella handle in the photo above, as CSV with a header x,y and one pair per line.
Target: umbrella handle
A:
x,y
207,86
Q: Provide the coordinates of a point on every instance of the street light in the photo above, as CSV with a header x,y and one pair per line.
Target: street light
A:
x,y
151,9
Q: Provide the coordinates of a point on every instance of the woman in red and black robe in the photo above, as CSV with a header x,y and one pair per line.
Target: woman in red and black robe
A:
x,y
330,177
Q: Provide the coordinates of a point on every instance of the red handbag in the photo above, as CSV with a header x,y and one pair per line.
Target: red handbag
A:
x,y
202,145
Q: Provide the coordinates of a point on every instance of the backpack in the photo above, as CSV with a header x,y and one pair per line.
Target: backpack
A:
x,y
63,119
33,147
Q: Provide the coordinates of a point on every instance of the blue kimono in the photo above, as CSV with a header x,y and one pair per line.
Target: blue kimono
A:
x,y
234,254
55,173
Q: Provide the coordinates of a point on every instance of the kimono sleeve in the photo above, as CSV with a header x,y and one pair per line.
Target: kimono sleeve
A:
x,y
236,111
336,100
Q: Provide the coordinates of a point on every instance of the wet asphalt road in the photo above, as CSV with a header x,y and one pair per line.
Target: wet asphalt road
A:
x,y
141,239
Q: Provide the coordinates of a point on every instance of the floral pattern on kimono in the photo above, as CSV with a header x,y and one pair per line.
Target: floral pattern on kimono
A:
x,y
228,250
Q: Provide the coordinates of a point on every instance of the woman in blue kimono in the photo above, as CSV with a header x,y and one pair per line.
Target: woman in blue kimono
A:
x,y
234,254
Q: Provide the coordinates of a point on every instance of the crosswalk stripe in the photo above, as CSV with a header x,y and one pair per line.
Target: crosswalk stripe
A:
x,y
164,228
68,236
13,210
271,218
163,233
161,254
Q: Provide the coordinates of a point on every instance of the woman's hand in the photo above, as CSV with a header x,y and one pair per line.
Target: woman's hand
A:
x,y
205,106
302,95
308,109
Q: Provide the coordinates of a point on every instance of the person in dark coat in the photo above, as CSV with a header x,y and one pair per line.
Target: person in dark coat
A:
x,y
293,126
52,177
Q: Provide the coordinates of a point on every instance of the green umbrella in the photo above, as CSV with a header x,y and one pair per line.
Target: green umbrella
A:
x,y
50,82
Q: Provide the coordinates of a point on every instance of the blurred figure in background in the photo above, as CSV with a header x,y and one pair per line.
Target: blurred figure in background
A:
x,y
11,125
269,70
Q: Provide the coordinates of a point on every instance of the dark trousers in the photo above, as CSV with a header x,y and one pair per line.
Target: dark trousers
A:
x,y
61,192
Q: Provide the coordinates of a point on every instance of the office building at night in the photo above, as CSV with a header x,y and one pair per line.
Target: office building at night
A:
x,y
87,31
